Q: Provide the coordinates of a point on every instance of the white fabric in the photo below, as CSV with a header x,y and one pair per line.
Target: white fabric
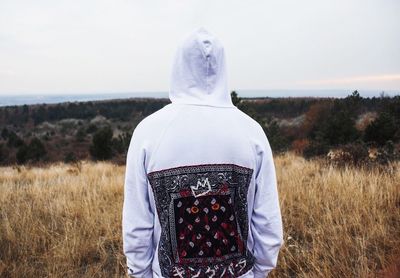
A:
x,y
200,126
199,72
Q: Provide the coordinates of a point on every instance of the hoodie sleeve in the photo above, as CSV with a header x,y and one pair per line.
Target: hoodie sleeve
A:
x,y
266,222
137,216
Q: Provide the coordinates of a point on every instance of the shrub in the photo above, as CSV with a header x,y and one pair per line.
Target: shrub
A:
x,y
381,130
278,141
235,99
121,143
91,128
101,148
316,148
80,134
14,140
299,145
70,157
340,129
3,153
358,152
22,154
35,151
4,133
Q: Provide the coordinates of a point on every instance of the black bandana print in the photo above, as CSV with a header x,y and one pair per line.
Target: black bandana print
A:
x,y
204,223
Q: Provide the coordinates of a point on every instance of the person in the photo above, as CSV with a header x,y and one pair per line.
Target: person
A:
x,y
200,193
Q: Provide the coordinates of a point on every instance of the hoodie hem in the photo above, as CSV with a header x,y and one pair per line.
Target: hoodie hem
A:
x,y
248,274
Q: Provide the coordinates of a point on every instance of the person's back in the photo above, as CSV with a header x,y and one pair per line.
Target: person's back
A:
x,y
200,186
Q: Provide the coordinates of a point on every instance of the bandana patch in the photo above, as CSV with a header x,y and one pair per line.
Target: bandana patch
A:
x,y
203,215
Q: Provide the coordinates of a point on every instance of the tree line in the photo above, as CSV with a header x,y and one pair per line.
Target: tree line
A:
x,y
353,122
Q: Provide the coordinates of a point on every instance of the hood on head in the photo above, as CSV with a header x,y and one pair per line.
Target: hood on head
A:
x,y
199,72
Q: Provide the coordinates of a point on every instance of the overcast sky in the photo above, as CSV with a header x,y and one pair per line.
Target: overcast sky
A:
x,y
93,46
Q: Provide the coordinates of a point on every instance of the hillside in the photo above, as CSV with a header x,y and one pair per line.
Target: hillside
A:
x,y
101,130
65,220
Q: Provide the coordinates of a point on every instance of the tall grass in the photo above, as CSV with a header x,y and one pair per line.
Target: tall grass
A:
x,y
338,223
65,221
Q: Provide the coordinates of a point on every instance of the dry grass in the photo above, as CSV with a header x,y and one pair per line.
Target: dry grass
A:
x,y
338,223
65,221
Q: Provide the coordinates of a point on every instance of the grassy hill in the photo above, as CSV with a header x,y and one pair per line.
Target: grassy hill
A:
x,y
64,220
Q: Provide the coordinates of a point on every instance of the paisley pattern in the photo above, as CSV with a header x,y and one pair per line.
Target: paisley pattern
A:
x,y
203,216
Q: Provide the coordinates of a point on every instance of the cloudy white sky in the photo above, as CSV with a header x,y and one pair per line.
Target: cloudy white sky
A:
x,y
93,46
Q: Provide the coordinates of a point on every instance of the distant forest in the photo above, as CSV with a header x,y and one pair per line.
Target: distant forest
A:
x,y
101,130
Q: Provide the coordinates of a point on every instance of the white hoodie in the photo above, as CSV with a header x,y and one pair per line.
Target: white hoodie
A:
x,y
200,196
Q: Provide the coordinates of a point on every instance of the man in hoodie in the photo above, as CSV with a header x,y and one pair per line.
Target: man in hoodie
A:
x,y
200,195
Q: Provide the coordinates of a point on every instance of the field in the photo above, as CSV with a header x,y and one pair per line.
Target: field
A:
x,y
65,220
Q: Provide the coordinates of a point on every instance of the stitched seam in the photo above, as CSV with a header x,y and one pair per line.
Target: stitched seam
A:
x,y
165,130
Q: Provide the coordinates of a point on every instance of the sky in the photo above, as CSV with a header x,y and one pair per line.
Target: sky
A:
x,y
101,46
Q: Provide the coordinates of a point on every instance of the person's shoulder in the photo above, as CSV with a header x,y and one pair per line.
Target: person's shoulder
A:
x,y
152,123
155,118
253,126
